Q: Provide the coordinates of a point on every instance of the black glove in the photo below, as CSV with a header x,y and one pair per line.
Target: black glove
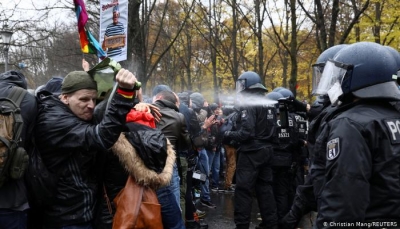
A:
x,y
289,221
299,106
293,217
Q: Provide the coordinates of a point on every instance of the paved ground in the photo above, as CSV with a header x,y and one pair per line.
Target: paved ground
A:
x,y
222,216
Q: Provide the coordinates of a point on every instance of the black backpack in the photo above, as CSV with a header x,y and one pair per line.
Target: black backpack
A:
x,y
13,157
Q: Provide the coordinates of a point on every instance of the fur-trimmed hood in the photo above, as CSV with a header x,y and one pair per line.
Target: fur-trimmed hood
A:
x,y
135,166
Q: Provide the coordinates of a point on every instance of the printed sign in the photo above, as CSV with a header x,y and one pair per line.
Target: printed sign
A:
x,y
113,28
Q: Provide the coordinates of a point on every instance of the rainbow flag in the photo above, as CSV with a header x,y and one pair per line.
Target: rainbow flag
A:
x,y
89,44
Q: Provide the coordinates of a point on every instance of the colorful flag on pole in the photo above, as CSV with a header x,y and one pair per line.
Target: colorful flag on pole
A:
x,y
88,43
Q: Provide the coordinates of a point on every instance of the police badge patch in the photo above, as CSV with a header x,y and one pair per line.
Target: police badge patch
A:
x,y
332,149
244,114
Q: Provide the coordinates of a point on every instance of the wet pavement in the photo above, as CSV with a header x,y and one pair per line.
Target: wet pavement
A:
x,y
222,216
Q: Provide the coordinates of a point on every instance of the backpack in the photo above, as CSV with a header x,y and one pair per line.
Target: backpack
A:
x,y
13,157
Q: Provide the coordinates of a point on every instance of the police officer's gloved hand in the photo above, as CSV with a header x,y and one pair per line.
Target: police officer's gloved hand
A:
x,y
293,217
298,106
289,221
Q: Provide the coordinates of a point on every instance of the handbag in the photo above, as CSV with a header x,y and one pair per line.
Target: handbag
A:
x,y
137,207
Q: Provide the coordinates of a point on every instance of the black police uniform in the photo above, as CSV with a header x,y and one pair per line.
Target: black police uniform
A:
x,y
362,165
253,170
284,164
302,155
305,199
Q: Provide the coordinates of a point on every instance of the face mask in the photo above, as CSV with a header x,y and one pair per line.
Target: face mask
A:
x,y
334,92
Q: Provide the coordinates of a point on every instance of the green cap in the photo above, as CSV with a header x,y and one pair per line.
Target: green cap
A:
x,y
77,80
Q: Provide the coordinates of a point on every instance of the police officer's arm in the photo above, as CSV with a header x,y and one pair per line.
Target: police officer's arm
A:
x,y
247,125
345,195
303,203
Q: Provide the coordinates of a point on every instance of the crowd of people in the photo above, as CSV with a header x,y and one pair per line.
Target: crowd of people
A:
x,y
338,157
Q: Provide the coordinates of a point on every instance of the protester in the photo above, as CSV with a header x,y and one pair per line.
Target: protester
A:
x,y
53,85
14,206
116,164
191,155
173,125
198,103
231,123
69,143
214,146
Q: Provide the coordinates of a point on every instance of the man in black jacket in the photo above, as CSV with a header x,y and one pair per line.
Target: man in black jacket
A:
x,y
69,143
13,194
173,126
253,171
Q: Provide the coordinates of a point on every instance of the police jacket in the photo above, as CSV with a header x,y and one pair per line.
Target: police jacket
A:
x,y
69,148
362,165
257,126
286,143
13,194
307,195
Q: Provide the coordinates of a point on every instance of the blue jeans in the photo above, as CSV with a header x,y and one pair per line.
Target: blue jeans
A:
x,y
10,219
203,166
168,197
214,163
175,185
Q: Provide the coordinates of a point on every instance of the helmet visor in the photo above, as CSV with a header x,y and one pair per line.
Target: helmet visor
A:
x,y
316,75
333,72
240,85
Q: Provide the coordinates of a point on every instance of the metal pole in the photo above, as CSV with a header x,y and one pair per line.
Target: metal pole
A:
x,y
6,59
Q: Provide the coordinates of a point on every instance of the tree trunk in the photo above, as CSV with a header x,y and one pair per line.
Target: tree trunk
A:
x,y
293,49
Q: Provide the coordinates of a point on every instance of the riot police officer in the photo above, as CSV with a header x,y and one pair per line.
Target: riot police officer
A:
x,y
285,162
305,200
299,111
253,171
361,139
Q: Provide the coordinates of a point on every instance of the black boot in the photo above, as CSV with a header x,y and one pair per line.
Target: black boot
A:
x,y
192,225
242,226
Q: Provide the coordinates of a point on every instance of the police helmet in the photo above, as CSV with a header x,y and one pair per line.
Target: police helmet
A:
x,y
364,69
319,65
277,89
248,81
396,56
273,95
286,92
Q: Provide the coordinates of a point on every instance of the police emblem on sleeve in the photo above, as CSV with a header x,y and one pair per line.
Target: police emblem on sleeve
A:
x,y
332,149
